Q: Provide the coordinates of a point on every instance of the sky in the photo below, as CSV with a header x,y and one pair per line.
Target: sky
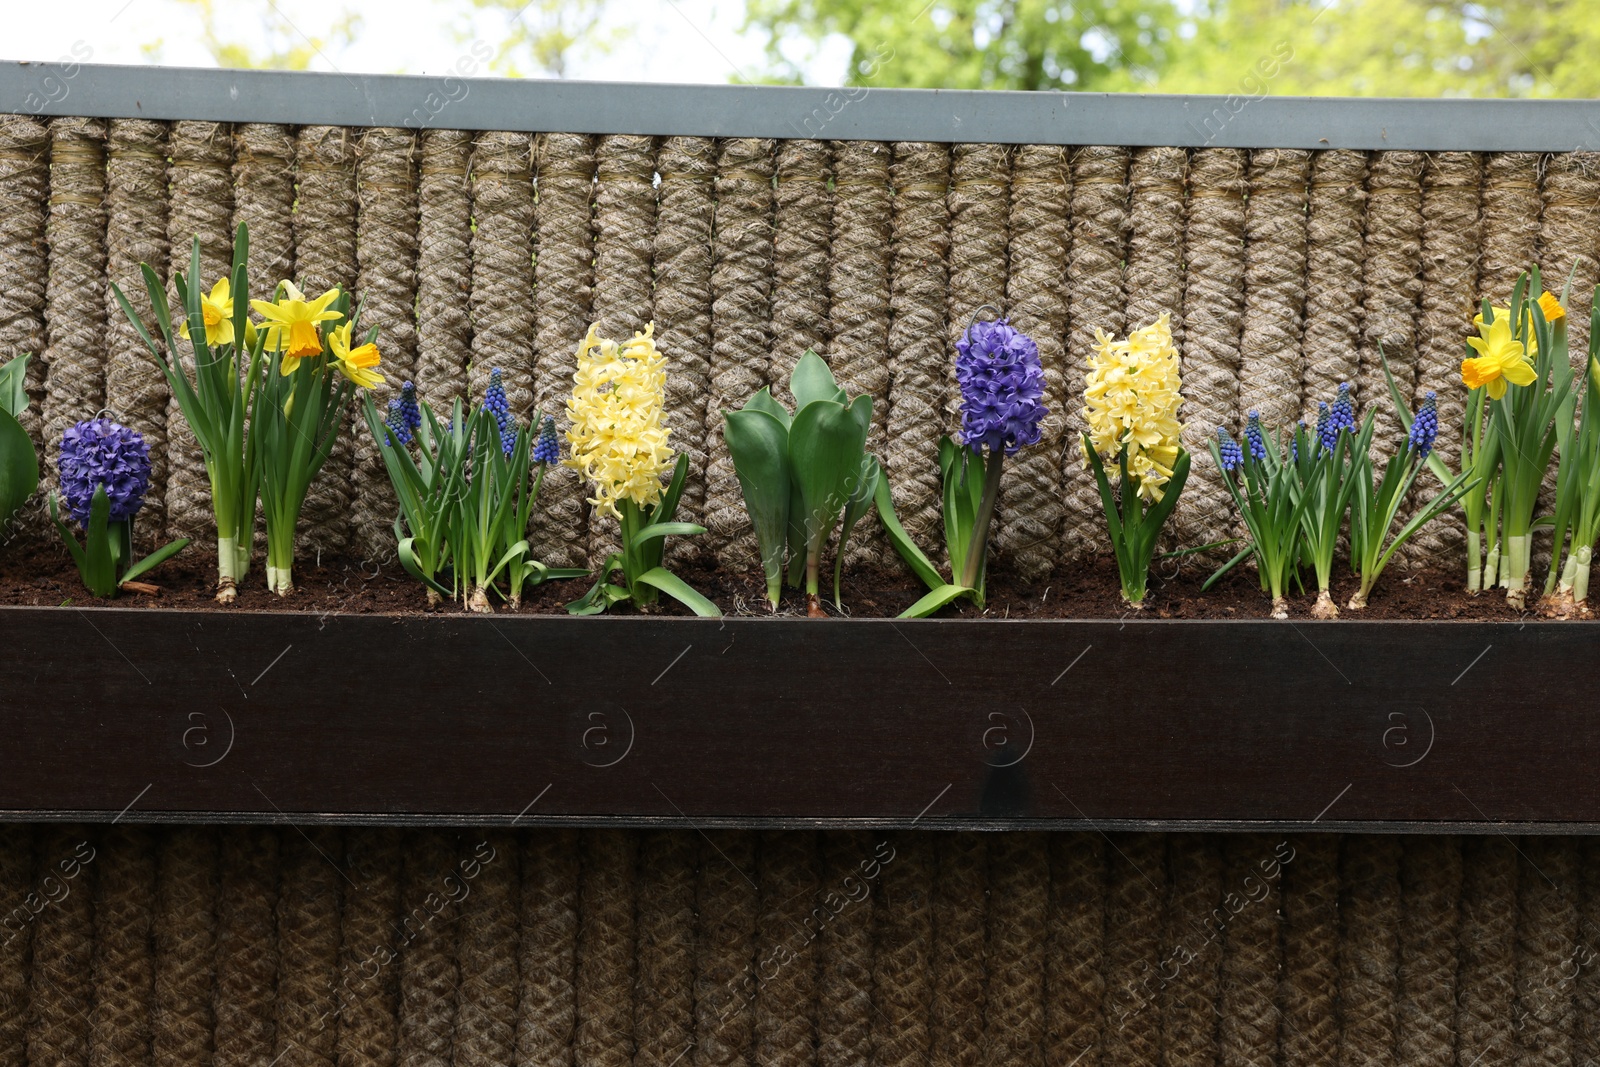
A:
x,y
674,40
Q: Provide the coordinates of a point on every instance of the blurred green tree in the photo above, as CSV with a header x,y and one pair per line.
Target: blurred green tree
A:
x,y
277,44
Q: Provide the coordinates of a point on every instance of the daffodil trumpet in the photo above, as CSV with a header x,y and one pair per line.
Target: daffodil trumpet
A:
x,y
1132,395
803,475
1576,522
619,444
1528,402
1002,412
1261,477
214,392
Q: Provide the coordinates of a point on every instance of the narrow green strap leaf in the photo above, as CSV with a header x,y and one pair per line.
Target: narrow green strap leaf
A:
x,y
70,541
675,587
408,560
155,559
667,529
933,601
914,556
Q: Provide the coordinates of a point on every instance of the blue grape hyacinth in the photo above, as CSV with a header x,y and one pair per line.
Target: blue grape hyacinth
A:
x,y
1327,436
1255,437
404,417
99,452
1343,415
547,449
494,400
1002,387
1232,454
1425,427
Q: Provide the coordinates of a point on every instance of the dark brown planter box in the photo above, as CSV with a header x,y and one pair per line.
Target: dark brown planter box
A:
x,y
112,713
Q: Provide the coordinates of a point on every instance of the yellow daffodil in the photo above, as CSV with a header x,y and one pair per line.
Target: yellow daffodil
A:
x,y
1551,307
1132,396
292,324
1501,358
356,364
217,309
617,437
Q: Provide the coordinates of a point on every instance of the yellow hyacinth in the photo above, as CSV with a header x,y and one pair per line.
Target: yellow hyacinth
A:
x,y
617,437
217,309
357,364
292,324
1132,396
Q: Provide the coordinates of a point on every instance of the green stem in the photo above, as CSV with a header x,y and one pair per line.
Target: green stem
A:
x,y
979,545
1516,569
1580,577
1474,561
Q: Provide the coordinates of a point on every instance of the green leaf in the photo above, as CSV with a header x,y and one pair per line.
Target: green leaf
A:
x,y
667,529
763,401
861,497
408,560
19,466
935,600
155,559
812,381
758,442
826,443
675,587
14,386
99,572
70,541
915,558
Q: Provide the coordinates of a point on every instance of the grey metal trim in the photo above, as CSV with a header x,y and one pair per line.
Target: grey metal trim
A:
x,y
768,111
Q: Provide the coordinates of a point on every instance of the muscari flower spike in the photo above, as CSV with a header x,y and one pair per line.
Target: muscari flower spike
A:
x,y
1294,442
1327,436
99,452
494,400
547,449
395,423
410,413
1002,387
1232,454
1254,437
1425,427
1343,415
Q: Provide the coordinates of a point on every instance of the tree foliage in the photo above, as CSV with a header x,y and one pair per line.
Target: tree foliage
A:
x,y
1313,47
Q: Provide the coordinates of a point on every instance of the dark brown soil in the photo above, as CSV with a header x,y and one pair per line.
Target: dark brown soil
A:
x,y
35,574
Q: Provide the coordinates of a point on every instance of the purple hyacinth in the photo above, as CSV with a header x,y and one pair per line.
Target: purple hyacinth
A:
x,y
1425,427
1228,448
1343,415
1255,438
99,452
547,449
1002,387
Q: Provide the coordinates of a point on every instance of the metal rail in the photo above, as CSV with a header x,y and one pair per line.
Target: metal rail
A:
x,y
858,113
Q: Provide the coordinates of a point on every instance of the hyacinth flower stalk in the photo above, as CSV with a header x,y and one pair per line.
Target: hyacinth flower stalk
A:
x,y
105,473
803,475
1131,399
19,464
1002,411
314,364
1327,469
1377,503
1521,364
1262,479
619,445
215,402
1577,514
